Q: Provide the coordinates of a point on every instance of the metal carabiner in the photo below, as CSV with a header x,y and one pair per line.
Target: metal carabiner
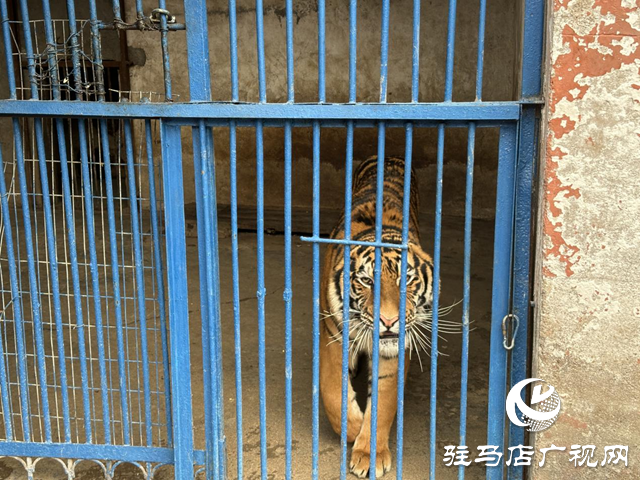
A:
x,y
514,330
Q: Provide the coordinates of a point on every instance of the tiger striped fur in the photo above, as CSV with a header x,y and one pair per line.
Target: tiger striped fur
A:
x,y
418,304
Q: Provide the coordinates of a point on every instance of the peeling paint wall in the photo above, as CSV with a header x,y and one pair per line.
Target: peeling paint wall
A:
x,y
588,295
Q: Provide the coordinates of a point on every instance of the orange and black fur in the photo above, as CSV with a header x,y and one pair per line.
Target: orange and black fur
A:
x,y
418,308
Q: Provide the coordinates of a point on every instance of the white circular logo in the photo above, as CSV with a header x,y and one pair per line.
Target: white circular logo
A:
x,y
546,406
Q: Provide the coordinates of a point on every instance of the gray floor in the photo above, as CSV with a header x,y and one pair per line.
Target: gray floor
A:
x,y
416,430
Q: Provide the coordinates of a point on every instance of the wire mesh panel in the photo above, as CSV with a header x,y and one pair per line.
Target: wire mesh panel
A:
x,y
103,261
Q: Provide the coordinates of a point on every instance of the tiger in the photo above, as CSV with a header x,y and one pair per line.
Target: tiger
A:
x,y
419,297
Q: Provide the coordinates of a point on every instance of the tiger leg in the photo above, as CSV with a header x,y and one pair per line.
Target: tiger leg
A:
x,y
387,406
331,387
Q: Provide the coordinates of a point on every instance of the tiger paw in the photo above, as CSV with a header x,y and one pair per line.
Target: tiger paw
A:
x,y
360,460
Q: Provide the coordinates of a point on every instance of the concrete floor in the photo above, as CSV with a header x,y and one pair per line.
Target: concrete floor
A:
x,y
416,424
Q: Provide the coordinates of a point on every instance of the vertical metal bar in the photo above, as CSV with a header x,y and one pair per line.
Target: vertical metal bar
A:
x,y
139,270
178,300
315,395
164,42
501,282
346,300
406,213
233,46
384,51
8,51
436,303
482,20
464,361
211,297
530,87
353,49
261,295
157,255
236,293
322,90
17,311
95,280
375,353
287,295
97,51
117,14
262,82
415,61
139,10
7,413
75,48
451,39
115,280
288,292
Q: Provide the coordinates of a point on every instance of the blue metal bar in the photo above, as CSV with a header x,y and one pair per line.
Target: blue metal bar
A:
x,y
322,91
340,241
482,20
17,313
139,268
8,51
315,393
117,14
195,14
262,82
87,451
75,48
33,282
51,239
501,282
28,47
7,413
233,47
406,214
289,20
384,51
532,49
236,292
178,300
157,256
261,293
287,296
139,9
115,280
97,49
346,300
353,50
95,278
164,42
527,155
211,297
415,60
377,270
464,361
462,111
451,40
436,302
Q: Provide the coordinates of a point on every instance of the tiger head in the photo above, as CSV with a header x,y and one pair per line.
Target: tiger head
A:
x,y
419,297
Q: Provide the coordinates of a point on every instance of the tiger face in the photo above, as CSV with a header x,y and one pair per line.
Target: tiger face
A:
x,y
419,297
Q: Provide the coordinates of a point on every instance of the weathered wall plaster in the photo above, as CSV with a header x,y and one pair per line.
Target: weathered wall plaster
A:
x,y
588,315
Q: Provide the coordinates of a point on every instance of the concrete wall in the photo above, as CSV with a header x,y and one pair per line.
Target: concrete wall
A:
x,y
588,315
501,46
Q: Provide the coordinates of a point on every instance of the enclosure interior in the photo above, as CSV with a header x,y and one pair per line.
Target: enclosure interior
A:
x,y
134,71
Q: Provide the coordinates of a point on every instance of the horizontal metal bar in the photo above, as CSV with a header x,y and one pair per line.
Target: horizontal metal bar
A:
x,y
87,451
297,112
341,241
120,26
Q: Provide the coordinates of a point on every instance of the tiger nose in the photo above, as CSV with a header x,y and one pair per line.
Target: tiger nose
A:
x,y
388,322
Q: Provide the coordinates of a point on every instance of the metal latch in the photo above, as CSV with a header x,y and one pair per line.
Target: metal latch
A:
x,y
158,12
515,323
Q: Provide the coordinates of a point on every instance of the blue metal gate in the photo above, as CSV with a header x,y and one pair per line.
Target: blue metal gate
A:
x,y
95,341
